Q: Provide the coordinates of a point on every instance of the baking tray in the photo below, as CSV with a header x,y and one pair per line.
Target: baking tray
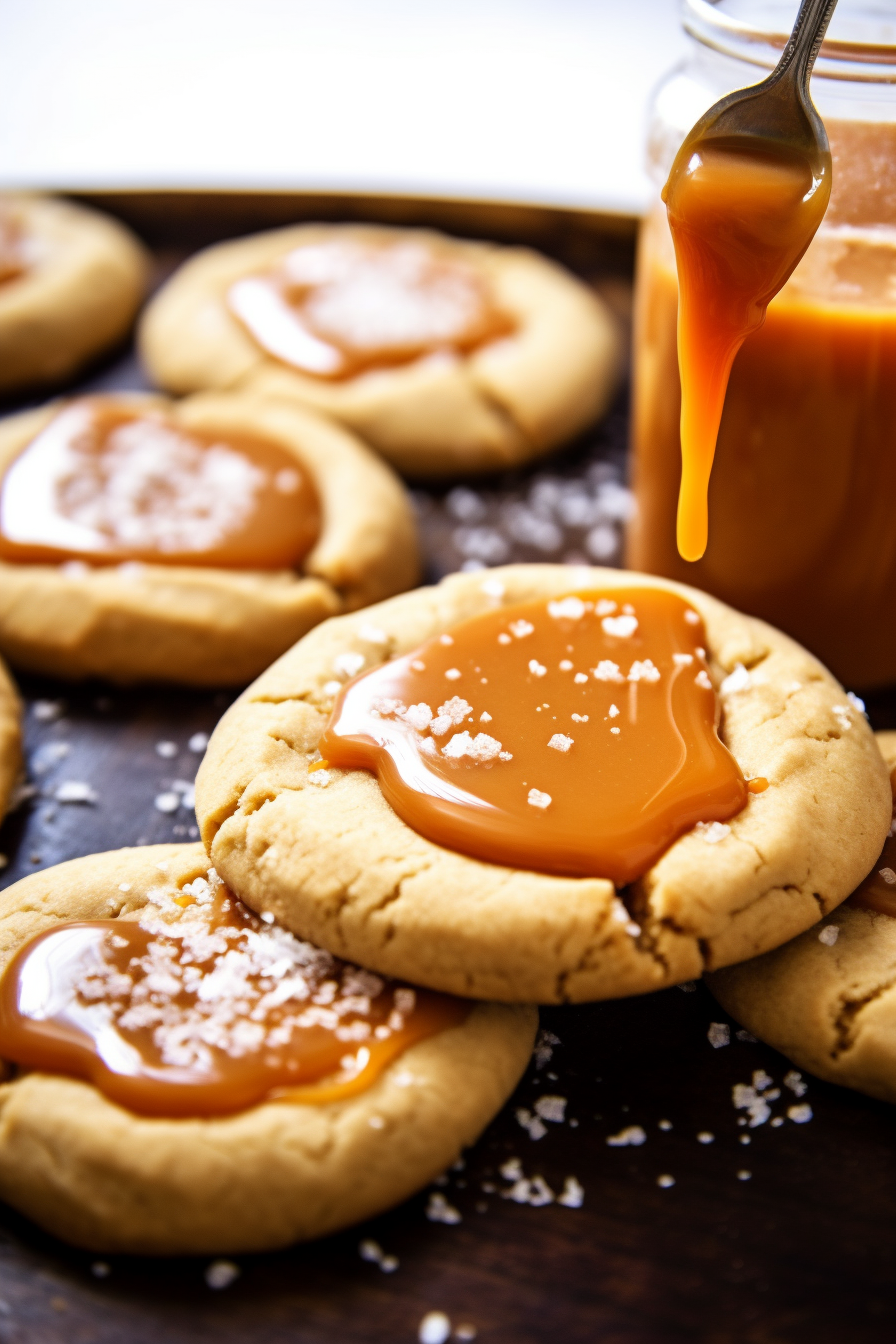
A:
x,y
776,1234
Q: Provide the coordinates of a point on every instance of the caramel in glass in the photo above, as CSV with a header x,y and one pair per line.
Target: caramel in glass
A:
x,y
878,890
105,483
333,309
740,222
198,1007
803,531
572,736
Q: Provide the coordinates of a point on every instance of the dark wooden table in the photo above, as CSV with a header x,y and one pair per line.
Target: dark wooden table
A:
x,y
779,1234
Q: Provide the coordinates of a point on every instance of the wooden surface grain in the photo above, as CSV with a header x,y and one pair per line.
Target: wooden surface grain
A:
x,y
778,1234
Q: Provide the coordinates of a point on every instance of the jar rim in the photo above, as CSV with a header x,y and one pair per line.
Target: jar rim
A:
x,y
758,44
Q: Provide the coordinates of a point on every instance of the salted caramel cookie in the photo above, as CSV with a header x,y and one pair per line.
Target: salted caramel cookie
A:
x,y
142,539
71,281
448,357
325,852
230,997
827,1000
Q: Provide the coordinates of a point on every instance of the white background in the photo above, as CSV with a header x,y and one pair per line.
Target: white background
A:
x,y
533,100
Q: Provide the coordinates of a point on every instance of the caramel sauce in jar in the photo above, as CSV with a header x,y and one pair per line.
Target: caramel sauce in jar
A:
x,y
199,1007
333,309
104,483
740,222
803,533
573,736
878,890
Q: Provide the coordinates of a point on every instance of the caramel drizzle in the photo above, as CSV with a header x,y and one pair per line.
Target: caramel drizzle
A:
x,y
199,1007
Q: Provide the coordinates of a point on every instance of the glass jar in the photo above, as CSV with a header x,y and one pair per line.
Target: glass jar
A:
x,y
802,503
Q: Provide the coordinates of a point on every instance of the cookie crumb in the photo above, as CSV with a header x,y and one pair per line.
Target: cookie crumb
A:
x,y
831,932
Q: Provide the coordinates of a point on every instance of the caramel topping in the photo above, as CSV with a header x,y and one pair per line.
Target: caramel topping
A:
x,y
201,1008
106,484
878,890
335,308
13,251
577,735
740,222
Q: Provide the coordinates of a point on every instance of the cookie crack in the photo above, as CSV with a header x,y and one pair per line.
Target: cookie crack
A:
x,y
846,1024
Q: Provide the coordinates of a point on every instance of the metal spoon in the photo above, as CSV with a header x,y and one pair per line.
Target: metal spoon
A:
x,y
777,113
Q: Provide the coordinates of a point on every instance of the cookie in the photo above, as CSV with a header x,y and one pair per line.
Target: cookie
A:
x,y
71,281
339,866
111,1179
10,739
193,622
827,1000
508,356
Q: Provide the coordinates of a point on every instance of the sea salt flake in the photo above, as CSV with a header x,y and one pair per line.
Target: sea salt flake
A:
x,y
567,608
504,639
702,680
719,1034
198,743
418,716
373,634
560,742
168,801
166,749
737,680
605,606
435,1328
794,1081
551,1108
745,1175
619,627
75,791
349,664
319,778
438,1210
221,1274
712,831
537,798
332,687
683,659
616,731
665,1182
580,718
748,1036
446,640
762,1080
478,748
706,1137
453,674
801,1114
566,666
572,1195
607,670
492,588
888,875
580,678
46,711
521,628
630,1137
692,618
644,671
830,933
533,1126
536,668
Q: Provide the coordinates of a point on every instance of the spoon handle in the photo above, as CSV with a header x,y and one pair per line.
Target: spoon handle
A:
x,y
803,45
